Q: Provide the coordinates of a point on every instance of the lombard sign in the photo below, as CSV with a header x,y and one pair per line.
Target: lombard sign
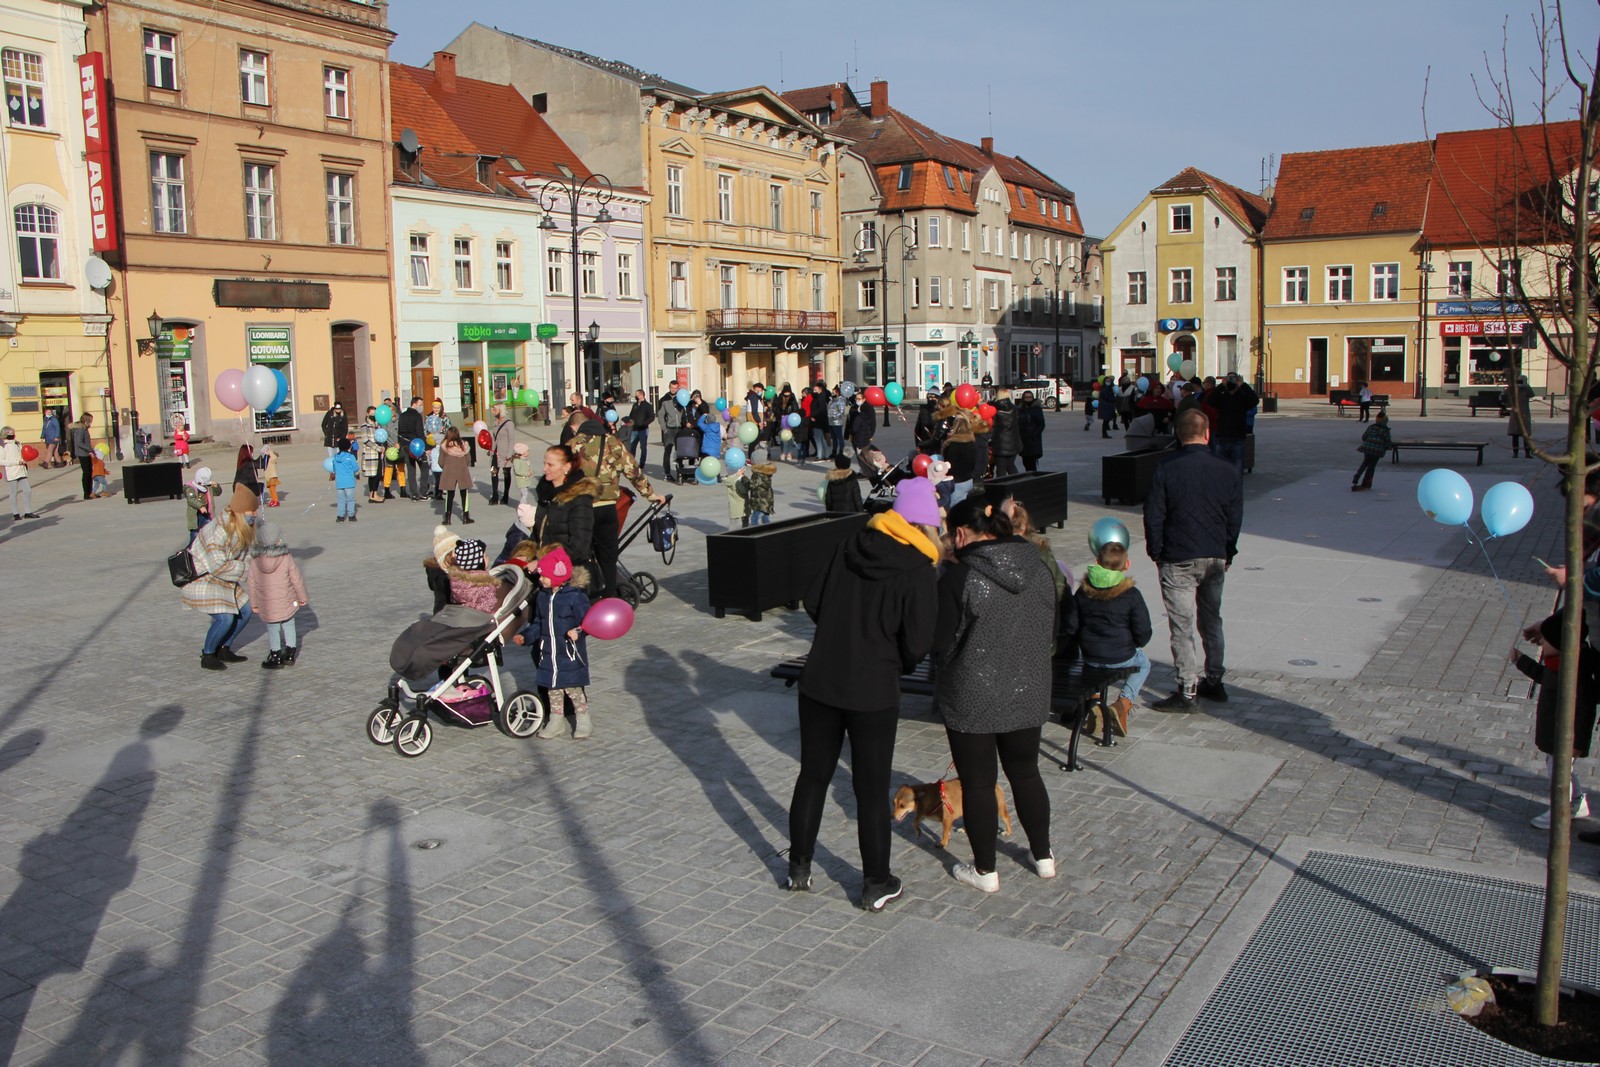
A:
x,y
269,344
494,331
776,342
97,151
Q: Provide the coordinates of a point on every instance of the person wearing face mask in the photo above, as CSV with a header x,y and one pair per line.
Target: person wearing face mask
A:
x,y
15,469
221,555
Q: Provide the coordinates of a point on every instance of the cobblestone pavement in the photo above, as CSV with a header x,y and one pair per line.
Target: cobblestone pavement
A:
x,y
219,868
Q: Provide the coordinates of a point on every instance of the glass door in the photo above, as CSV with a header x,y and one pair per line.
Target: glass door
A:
x,y
176,404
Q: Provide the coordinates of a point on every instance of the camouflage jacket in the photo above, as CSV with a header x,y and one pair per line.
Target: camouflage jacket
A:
x,y
607,460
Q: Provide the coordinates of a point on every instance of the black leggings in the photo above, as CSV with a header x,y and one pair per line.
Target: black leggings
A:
x,y
1018,752
823,729
450,502
87,463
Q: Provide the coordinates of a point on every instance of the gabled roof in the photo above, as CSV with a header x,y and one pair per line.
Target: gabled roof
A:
x,y
1249,210
617,67
1494,186
1346,192
476,119
819,97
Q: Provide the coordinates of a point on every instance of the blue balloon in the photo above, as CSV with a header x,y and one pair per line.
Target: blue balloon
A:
x,y
701,479
1507,508
722,403
733,459
417,447
1144,384
1108,531
793,420
327,464
282,394
682,397
380,435
1094,404
611,415
1445,496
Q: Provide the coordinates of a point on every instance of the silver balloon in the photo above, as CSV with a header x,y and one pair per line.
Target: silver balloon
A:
x,y
1108,531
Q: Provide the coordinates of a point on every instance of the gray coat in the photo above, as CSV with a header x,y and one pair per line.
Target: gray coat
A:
x,y
997,614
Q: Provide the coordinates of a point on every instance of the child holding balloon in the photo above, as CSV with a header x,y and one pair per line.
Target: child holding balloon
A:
x,y
558,644
100,483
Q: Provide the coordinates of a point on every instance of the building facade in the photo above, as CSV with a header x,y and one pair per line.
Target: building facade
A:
x,y
53,320
252,158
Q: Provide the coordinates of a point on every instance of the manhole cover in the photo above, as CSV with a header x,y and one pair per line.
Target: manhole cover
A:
x,y
1370,599
427,843
1302,663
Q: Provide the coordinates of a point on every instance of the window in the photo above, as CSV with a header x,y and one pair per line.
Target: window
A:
x,y
555,270
819,292
1341,285
1386,281
675,191
1460,276
1594,198
868,241
727,287
1296,285
724,198
253,78
994,295
24,78
935,291
1013,244
983,237
867,294
505,275
1138,288
37,242
905,177
421,262
1227,283
966,292
775,206
1181,281
1509,278
589,272
780,290
966,236
336,92
260,202
678,284
1180,219
916,292
625,275
816,214
463,259
341,209
1022,196
949,179
933,231
167,211
160,59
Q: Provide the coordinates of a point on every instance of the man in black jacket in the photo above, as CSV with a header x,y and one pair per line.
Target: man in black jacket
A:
x,y
1232,400
1191,529
335,427
411,426
640,418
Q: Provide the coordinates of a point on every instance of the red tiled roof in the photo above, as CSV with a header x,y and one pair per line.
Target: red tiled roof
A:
x,y
478,118
1250,210
1491,186
817,97
1350,191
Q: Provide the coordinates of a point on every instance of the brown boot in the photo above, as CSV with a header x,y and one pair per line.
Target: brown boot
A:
x,y
1119,716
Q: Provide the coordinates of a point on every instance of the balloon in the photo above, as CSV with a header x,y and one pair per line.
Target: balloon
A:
x,y
733,459
477,427
1094,405
416,447
822,494
609,619
532,398
280,393
711,466
1108,531
895,392
1174,361
327,464
876,397
611,415
771,393
513,398
920,464
1143,384
748,433
100,450
987,412
431,440
380,435
792,419
701,479
383,415
1445,496
786,435
682,397
485,439
29,453
1186,368
259,387
847,389
230,389
722,403
967,396
1507,507
733,409
393,454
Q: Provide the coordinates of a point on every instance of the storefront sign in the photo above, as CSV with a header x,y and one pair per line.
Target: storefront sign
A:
x,y
1483,328
495,331
174,344
1174,325
278,296
269,344
776,342
97,152
547,331
1477,307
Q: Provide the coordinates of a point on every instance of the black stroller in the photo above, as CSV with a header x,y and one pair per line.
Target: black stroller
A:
x,y
880,495
686,453
639,587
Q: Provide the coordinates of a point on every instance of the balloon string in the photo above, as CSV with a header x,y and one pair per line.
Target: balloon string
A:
x,y
1483,548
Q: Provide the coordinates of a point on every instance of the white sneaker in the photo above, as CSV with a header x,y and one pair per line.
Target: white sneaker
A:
x,y
1046,867
1580,810
967,874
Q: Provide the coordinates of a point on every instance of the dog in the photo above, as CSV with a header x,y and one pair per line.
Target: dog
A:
x,y
939,800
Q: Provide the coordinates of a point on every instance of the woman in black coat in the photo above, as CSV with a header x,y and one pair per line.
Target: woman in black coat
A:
x,y
565,514
1030,430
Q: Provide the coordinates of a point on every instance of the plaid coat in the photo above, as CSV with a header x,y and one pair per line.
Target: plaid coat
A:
x,y
220,589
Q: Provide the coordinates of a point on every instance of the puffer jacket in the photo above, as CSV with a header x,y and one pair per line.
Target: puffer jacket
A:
x,y
842,492
996,623
1195,508
276,587
1007,436
11,461
760,492
1030,428
566,517
1109,624
561,664
478,590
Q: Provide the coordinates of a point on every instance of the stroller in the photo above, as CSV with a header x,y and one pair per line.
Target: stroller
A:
x,y
639,587
686,453
452,643
880,497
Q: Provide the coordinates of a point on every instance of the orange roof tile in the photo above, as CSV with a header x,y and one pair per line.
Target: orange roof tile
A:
x,y
1492,186
1249,209
1349,191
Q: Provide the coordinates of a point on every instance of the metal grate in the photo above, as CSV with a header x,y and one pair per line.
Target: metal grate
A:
x,y
1349,968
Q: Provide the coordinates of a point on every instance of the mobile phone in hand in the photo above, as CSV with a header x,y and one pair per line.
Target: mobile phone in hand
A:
x,y
1542,563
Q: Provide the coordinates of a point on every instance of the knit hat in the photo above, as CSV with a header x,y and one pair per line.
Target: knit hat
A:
x,y
916,502
444,543
526,514
519,449
469,555
244,501
202,476
555,565
269,535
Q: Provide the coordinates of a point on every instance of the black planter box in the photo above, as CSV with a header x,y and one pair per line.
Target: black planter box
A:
x,y
147,481
1043,493
1125,476
761,567
1269,404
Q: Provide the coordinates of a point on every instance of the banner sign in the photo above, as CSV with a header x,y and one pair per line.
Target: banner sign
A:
x,y
494,331
97,151
269,344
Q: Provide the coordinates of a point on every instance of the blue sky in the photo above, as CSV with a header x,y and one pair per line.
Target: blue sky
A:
x,y
1110,99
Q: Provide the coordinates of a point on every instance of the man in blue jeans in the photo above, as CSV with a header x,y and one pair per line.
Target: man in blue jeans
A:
x,y
1191,529
640,419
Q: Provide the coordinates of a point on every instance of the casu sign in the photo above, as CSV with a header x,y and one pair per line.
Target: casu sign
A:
x,y
97,151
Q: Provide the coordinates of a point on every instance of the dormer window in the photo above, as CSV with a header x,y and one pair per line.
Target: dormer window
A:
x,y
1307,214
485,170
905,177
1380,209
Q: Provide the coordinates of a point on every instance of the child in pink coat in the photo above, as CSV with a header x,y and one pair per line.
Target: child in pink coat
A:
x,y
277,591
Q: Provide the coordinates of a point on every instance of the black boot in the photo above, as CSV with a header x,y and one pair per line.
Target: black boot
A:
x,y
290,654
228,655
211,663
273,661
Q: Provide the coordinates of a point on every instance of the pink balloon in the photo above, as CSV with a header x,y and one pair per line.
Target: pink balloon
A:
x,y
608,619
230,389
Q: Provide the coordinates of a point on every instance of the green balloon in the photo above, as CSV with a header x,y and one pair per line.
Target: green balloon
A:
x,y
748,432
531,397
393,454
771,393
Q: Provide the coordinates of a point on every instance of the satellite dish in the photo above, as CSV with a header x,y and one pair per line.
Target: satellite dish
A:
x,y
96,272
408,140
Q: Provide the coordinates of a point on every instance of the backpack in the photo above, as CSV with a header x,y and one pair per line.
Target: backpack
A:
x,y
663,532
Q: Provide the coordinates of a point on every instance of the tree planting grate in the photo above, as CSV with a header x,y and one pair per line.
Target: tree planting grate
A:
x,y
1350,965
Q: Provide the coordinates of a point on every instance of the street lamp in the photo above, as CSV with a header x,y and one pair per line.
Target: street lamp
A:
x,y
1425,268
599,187
156,324
1071,265
868,241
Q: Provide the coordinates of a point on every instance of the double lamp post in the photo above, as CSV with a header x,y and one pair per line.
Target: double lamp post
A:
x,y
553,192
867,242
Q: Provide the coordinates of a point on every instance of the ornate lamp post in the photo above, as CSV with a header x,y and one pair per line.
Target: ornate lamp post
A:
x,y
869,241
600,188
1072,267
1425,268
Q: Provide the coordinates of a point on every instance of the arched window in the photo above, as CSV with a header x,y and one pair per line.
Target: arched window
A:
x,y
38,242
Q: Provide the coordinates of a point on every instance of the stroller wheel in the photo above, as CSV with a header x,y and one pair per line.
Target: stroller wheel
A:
x,y
381,724
413,736
521,716
628,592
646,586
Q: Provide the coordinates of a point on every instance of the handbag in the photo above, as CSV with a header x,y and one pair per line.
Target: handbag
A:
x,y
181,566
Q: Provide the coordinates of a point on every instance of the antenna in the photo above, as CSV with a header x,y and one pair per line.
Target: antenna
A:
x,y
780,72
990,90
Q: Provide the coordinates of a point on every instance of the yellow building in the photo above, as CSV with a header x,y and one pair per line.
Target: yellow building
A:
x,y
52,307
253,157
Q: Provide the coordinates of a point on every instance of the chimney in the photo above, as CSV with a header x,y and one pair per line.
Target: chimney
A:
x,y
880,98
444,70
987,145
836,97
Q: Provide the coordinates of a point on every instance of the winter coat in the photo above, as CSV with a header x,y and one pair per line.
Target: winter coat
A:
x,y
220,589
561,664
269,464
1233,410
11,462
409,425
522,473
504,434
276,588
335,428
874,606
180,442
863,425
371,451
641,415
1515,427
246,474
710,435
1030,428
82,446
1108,403
1007,436
996,623
1195,508
842,492
759,492
738,496
453,468
566,517
345,469
1376,441
1547,674
671,417
52,429
198,505
1109,624
609,461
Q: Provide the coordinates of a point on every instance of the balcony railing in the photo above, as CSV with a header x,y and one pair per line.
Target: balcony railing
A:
x,y
767,319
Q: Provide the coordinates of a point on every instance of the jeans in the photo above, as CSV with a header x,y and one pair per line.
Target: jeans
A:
x,y
1369,464
837,434
416,474
1192,593
224,628
959,491
282,634
975,756
100,484
1230,449
759,518
639,445
20,487
346,503
822,732
1141,665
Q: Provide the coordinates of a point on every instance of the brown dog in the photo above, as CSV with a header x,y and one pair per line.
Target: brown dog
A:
x,y
940,800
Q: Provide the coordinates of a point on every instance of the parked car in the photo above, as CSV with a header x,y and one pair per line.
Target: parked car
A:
x,y
1052,394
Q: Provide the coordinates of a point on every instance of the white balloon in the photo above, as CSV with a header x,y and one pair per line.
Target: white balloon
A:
x,y
260,387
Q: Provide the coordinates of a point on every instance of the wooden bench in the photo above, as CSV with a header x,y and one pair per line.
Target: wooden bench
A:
x,y
1346,398
1486,400
1440,446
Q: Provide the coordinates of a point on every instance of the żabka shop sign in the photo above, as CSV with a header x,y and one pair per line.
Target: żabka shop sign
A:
x,y
97,152
270,344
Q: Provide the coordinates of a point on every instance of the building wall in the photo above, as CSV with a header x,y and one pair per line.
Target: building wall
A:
x,y
1133,342
1474,334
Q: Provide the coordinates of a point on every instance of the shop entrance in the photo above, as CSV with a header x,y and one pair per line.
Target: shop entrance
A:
x,y
471,394
344,367
1319,366
55,391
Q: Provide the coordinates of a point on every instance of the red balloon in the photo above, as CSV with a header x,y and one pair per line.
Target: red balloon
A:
x,y
608,619
967,396
875,396
29,453
485,439
986,412
920,465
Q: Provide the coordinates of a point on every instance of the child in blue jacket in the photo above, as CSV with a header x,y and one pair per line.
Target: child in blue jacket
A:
x,y
560,647
346,465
